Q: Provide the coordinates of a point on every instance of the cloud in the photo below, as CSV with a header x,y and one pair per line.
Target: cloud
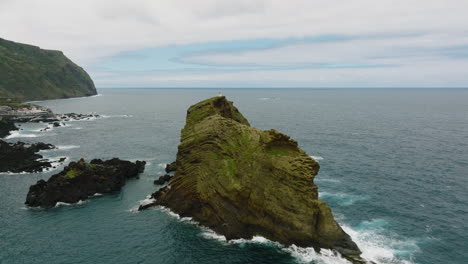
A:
x,y
94,32
90,29
358,51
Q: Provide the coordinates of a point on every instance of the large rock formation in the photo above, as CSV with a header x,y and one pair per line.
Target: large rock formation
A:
x,y
241,181
22,157
31,73
79,180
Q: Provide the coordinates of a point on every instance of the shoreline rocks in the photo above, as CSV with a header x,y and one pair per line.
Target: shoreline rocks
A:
x,y
21,157
163,179
171,167
80,180
241,182
6,126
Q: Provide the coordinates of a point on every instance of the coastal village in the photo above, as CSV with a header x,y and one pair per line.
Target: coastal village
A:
x,y
15,109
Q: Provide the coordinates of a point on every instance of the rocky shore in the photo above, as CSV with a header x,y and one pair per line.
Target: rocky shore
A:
x,y
21,157
241,182
6,126
80,180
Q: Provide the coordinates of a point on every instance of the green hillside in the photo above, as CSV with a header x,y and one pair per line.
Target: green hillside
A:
x,y
31,73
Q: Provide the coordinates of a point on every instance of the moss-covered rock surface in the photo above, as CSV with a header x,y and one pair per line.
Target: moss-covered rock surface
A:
x,y
241,181
81,179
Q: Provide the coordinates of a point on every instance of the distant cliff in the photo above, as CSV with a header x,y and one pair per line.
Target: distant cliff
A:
x,y
31,73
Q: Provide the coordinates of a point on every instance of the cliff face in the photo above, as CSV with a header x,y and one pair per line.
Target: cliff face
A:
x,y
30,73
241,181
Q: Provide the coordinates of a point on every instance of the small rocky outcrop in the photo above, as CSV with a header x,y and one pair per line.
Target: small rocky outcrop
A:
x,y
163,179
80,180
76,116
241,181
22,157
171,167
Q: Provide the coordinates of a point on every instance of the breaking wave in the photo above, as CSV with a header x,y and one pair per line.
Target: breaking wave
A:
x,y
18,134
317,158
67,147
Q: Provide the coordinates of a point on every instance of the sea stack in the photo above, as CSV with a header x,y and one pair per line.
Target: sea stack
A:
x,y
241,182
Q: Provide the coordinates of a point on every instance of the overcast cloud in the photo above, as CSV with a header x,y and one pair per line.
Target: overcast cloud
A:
x,y
251,43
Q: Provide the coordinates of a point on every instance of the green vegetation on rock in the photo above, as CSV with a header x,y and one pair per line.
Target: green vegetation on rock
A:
x,y
31,73
241,181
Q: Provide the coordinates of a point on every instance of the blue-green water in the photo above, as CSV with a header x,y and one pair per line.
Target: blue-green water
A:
x,y
393,168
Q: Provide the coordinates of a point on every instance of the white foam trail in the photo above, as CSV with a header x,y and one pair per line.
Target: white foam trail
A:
x,y
317,158
59,204
14,173
112,116
91,118
210,234
145,201
18,134
67,147
267,98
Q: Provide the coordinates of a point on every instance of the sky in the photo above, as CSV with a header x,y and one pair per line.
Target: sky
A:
x,y
251,43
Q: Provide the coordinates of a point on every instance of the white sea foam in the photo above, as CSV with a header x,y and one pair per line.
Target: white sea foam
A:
x,y
67,147
308,255
18,134
380,248
114,116
317,158
145,201
267,98
59,204
13,173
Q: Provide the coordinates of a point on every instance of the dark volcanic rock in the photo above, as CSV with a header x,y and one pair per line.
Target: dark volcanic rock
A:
x,y
79,180
75,116
171,167
163,179
6,125
21,157
242,182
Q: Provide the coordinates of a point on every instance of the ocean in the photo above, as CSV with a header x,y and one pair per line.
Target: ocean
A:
x,y
394,169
